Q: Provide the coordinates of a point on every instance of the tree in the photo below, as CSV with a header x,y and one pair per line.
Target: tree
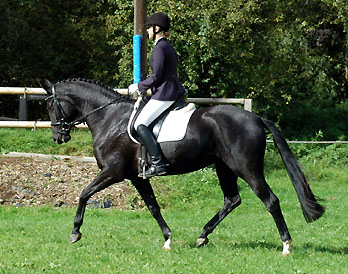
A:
x,y
54,40
285,55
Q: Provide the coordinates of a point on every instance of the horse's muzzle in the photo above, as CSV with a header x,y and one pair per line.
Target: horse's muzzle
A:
x,y
61,138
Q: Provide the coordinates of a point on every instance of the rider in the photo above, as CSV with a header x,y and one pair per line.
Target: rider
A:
x,y
165,86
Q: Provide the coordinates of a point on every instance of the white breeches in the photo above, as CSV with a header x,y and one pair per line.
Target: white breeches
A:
x,y
151,111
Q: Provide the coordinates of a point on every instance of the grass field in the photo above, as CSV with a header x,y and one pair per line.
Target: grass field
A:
x,y
40,141
36,239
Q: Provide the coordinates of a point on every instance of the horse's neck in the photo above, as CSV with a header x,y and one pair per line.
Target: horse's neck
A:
x,y
86,102
101,116
107,117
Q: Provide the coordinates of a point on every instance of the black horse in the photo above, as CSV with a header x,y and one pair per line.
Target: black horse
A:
x,y
229,137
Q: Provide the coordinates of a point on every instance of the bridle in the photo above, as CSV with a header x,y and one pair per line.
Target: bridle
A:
x,y
63,123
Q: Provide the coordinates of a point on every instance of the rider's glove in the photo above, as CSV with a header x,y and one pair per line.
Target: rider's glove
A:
x,y
133,89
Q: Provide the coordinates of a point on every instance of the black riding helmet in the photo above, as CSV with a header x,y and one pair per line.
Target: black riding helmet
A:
x,y
159,19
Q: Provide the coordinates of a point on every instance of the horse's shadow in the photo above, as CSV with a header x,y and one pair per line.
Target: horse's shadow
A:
x,y
324,249
271,246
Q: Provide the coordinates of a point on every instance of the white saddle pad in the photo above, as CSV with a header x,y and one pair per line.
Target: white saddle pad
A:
x,y
174,126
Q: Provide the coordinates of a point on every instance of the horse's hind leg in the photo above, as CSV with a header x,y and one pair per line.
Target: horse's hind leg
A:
x,y
146,192
271,201
102,181
228,183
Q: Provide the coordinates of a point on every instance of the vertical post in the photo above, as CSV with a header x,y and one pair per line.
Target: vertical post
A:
x,y
248,104
139,40
23,108
137,58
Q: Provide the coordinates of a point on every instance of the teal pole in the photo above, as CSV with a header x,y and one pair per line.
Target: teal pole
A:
x,y
137,58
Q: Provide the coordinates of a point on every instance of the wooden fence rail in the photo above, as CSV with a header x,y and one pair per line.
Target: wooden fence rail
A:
x,y
38,91
27,94
32,124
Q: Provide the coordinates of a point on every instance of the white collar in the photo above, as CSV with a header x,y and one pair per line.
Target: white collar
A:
x,y
159,40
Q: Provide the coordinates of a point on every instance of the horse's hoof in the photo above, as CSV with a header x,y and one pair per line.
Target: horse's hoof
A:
x,y
168,244
167,248
201,242
75,237
286,248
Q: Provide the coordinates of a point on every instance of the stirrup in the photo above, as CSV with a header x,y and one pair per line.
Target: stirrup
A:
x,y
154,170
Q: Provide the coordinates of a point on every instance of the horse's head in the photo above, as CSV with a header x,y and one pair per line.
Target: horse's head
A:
x,y
61,111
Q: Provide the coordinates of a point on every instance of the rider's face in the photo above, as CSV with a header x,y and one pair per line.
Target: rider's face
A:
x,y
150,32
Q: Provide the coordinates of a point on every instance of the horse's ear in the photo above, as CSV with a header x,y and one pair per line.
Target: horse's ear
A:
x,y
47,86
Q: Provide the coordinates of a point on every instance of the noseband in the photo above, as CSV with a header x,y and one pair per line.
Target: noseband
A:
x,y
63,123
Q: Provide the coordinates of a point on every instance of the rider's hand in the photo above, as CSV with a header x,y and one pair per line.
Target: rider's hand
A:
x,y
141,93
133,89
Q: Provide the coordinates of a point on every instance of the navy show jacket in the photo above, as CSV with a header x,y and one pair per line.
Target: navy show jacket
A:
x,y
163,81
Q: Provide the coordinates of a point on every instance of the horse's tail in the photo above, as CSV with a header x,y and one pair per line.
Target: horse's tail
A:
x,y
311,209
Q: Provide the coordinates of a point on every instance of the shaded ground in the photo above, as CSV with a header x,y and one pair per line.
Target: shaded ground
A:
x,y
30,182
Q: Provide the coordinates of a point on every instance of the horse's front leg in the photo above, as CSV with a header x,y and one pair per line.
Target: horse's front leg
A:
x,y
104,179
146,192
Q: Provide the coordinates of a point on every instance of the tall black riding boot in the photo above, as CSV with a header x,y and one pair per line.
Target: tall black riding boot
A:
x,y
159,164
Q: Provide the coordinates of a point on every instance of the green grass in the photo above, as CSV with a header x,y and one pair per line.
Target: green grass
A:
x,y
40,141
36,240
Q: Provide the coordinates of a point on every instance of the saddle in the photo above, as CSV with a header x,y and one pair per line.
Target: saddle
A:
x,y
156,125
171,125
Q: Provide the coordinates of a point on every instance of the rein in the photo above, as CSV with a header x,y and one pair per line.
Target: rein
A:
x,y
66,126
